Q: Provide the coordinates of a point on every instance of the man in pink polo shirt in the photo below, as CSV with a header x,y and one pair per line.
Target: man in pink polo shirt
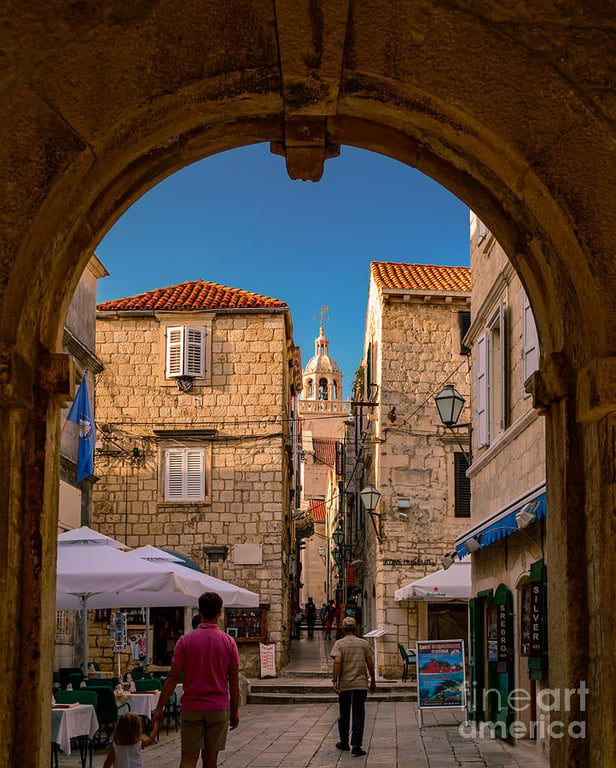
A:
x,y
210,661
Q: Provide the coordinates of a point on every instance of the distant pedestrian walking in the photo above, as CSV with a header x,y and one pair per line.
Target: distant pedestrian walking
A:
x,y
311,616
297,622
352,657
328,619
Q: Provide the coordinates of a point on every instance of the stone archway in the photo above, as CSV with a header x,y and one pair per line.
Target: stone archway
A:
x,y
512,110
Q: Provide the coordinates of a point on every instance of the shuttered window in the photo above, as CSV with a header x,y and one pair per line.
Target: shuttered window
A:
x,y
464,320
186,352
185,474
462,486
530,340
482,431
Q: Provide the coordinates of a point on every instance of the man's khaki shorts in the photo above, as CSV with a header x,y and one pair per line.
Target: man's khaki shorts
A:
x,y
204,730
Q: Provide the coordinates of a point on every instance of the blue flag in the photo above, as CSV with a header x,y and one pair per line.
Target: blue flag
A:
x,y
81,414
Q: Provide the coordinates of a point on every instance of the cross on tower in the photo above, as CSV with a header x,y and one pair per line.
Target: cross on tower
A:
x,y
322,316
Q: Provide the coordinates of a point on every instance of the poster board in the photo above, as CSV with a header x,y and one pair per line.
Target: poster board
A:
x,y
441,676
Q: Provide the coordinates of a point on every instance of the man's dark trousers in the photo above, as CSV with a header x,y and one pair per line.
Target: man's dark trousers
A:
x,y
352,700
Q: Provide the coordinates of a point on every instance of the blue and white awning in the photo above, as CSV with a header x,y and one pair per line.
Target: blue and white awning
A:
x,y
502,523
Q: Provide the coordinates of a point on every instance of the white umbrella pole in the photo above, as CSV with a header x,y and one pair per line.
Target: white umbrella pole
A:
x,y
147,638
83,601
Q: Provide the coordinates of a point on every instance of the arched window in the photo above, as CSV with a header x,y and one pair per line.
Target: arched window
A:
x,y
334,390
322,389
309,388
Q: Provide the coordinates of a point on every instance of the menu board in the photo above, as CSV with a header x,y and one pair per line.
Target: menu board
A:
x,y
246,624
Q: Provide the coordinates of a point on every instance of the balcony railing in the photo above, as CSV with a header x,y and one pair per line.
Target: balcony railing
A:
x,y
325,406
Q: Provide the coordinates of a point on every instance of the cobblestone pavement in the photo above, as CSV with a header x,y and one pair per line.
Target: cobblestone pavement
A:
x,y
304,735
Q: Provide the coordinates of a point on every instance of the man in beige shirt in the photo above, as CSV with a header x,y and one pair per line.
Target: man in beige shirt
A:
x,y
352,661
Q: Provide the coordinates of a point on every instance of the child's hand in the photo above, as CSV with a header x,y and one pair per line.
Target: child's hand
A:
x,y
148,740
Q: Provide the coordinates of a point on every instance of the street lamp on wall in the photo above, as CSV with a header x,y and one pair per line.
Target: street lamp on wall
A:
x,y
370,497
449,403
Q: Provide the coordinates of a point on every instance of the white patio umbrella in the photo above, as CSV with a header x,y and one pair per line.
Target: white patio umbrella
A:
x,y
232,595
92,572
448,585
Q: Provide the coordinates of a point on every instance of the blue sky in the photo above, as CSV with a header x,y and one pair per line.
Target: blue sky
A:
x,y
238,220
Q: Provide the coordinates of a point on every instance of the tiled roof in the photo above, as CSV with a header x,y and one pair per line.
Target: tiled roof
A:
x,y
324,450
420,277
317,508
193,296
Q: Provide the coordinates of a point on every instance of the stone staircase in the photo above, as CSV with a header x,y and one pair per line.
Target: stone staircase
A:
x,y
307,689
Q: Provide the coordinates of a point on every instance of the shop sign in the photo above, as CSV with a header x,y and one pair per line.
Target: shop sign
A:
x,y
411,561
503,650
536,618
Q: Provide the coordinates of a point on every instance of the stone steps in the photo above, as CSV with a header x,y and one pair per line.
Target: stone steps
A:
x,y
289,691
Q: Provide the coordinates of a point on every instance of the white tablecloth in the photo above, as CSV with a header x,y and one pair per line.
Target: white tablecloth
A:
x,y
144,703
179,691
73,721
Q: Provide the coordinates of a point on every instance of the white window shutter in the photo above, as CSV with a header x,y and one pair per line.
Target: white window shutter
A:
x,y
503,364
530,339
195,352
195,475
185,474
482,391
174,474
175,351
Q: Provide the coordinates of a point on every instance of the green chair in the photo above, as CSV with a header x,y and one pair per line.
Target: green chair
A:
x,y
408,661
74,680
99,682
106,713
64,672
148,684
80,696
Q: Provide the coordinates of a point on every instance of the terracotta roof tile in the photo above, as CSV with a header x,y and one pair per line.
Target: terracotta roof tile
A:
x,y
190,297
324,450
420,277
317,508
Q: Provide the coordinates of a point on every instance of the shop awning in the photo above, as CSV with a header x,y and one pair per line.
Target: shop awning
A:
x,y
502,524
443,586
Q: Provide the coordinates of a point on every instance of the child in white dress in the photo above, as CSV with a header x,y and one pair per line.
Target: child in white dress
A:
x,y
128,741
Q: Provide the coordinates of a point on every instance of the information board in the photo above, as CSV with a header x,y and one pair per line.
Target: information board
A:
x,y
441,679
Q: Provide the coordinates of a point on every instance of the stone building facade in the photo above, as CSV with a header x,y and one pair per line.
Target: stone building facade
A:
x,y
507,531
75,499
415,322
195,411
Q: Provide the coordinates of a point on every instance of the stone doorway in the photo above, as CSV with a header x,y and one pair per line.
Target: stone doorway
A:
x,y
509,108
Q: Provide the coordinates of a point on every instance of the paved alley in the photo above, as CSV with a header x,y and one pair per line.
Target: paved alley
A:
x,y
304,736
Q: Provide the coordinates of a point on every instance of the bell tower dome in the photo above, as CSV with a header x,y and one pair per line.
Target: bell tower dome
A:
x,y
322,378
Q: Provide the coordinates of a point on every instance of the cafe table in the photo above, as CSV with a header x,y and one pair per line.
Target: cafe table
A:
x,y
75,721
144,703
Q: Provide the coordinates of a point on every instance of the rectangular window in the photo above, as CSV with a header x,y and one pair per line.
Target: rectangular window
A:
x,y
63,626
530,340
464,320
185,474
462,486
185,352
482,392
491,382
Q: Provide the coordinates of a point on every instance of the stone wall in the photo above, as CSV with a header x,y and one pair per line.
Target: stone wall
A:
x,y
245,405
418,351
